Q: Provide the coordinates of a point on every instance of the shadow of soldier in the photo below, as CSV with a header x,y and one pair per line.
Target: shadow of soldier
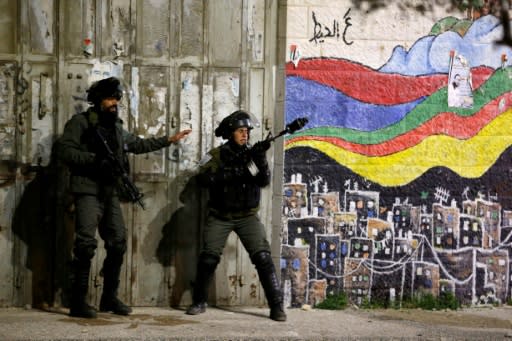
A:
x,y
181,238
43,221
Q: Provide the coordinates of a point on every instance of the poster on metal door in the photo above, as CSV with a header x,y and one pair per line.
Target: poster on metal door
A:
x,y
460,89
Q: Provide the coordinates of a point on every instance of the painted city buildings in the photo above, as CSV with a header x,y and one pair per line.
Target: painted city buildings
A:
x,y
400,183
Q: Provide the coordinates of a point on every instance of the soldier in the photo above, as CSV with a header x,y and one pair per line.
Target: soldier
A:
x,y
234,190
94,184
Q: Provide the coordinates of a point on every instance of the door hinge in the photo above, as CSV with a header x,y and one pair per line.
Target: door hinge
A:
x,y
97,281
18,281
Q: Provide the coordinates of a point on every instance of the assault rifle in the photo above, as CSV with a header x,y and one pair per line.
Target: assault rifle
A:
x,y
290,128
127,189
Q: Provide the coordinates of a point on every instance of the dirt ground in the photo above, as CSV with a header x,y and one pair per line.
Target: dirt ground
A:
x,y
466,318
250,323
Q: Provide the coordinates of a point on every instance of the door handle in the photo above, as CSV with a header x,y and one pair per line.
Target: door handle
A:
x,y
43,105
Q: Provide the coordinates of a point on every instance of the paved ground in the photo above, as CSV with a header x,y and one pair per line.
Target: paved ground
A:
x,y
252,323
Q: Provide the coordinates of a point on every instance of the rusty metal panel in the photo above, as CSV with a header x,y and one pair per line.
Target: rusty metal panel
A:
x,y
256,99
42,115
73,96
225,32
36,115
250,292
225,97
8,73
152,115
207,139
148,283
7,116
42,26
256,30
227,276
7,200
95,278
153,28
9,27
79,33
257,91
188,152
192,17
117,28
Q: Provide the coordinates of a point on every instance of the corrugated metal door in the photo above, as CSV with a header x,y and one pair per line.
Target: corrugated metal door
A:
x,y
184,64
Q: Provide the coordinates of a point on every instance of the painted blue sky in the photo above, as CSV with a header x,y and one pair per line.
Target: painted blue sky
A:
x,y
431,54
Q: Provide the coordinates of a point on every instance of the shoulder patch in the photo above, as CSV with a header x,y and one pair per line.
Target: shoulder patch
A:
x,y
205,159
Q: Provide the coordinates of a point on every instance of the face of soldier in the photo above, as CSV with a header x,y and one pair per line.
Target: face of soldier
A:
x,y
241,136
108,111
109,105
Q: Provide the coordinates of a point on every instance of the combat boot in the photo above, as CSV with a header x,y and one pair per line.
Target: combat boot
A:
x,y
204,274
112,303
111,271
109,301
277,313
196,308
82,309
270,283
80,285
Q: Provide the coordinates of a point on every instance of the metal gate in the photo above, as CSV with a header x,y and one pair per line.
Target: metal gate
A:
x,y
183,64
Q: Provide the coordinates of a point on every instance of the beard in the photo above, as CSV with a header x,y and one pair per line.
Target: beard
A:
x,y
108,115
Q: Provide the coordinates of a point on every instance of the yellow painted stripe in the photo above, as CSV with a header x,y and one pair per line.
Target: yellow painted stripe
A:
x,y
468,158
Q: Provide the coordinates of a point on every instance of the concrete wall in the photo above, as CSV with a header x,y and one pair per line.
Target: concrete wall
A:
x,y
400,183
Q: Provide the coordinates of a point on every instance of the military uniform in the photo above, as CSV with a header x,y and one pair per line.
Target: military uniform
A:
x,y
97,201
234,198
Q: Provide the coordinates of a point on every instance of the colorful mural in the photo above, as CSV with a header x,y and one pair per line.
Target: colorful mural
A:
x,y
389,191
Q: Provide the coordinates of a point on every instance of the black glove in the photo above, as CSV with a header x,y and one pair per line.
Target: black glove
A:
x,y
260,147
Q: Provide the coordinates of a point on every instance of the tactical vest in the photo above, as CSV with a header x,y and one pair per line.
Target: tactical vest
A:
x,y
234,199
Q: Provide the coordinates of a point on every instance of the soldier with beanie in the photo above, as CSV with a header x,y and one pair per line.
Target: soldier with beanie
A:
x,y
94,184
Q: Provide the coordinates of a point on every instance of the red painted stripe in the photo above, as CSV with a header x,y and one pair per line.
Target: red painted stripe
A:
x,y
447,123
367,85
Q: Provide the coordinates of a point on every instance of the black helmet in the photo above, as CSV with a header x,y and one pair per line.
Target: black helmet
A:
x,y
108,87
236,120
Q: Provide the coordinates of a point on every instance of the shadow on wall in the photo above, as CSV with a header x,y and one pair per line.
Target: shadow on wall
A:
x,y
43,221
181,237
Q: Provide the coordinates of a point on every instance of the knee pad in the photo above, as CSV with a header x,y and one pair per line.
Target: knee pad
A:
x,y
262,260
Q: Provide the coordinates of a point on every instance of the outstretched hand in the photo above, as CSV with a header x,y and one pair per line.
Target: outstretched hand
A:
x,y
178,136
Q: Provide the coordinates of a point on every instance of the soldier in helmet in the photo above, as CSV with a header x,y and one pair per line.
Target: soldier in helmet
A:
x,y
234,200
93,182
